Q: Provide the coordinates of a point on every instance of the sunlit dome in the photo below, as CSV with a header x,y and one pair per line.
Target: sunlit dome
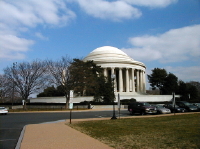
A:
x,y
109,54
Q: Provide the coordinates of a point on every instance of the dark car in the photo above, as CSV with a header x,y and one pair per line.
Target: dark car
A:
x,y
142,108
174,108
197,105
188,106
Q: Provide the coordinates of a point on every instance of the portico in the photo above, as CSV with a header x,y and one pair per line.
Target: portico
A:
x,y
127,79
130,74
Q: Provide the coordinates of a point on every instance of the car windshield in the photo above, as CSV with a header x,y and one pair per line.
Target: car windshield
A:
x,y
159,106
2,108
145,104
173,105
198,104
187,103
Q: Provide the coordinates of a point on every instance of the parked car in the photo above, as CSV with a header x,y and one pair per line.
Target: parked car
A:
x,y
197,105
162,110
3,110
142,108
188,106
174,108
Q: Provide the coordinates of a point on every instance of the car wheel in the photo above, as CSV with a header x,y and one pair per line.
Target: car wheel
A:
x,y
142,113
183,111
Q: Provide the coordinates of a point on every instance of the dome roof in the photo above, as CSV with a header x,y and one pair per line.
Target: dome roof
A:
x,y
110,55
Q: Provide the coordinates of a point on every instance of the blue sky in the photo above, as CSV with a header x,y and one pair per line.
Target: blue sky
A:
x,y
159,33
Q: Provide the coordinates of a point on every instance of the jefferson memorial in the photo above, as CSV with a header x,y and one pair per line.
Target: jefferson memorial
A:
x,y
129,74
129,79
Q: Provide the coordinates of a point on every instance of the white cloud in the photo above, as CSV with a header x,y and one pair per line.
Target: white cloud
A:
x,y
39,35
115,10
185,73
151,3
31,13
119,9
12,46
18,17
176,45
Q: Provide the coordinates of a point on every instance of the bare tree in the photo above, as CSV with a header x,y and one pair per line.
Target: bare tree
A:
x,y
5,90
27,77
60,75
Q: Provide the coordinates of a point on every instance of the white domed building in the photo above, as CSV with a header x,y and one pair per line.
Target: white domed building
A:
x,y
129,74
129,79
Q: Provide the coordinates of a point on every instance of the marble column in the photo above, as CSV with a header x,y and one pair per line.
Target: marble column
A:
x,y
105,72
127,80
133,80
138,86
141,81
113,72
144,82
120,80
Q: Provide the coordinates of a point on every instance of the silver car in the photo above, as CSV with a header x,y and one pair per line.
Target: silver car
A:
x,y
3,110
162,110
197,105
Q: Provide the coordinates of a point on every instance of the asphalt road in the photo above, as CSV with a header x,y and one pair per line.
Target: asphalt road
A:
x,y
12,124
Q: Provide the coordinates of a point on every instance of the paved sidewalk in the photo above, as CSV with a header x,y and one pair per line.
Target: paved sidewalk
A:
x,y
58,135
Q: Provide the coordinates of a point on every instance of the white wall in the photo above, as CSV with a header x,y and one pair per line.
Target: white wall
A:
x,y
142,98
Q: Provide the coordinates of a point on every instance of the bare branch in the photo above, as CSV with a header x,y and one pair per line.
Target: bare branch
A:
x,y
27,77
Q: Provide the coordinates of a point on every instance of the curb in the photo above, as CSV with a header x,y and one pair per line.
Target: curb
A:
x,y
24,128
92,110
20,138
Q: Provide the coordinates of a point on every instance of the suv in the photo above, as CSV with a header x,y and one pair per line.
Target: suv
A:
x,y
188,106
142,108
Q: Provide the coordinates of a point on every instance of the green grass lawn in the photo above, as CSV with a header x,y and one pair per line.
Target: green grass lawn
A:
x,y
170,132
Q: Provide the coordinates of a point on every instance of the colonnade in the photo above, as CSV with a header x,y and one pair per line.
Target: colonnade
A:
x,y
127,79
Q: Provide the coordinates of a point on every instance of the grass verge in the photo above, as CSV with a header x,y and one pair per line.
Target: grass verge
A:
x,y
170,132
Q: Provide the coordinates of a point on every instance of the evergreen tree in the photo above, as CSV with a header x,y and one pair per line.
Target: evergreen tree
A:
x,y
187,91
170,84
183,90
85,76
157,78
52,92
108,94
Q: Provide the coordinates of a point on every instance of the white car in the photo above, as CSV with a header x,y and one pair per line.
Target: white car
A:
x,y
3,110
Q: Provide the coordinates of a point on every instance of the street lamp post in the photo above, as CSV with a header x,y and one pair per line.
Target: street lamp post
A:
x,y
13,87
113,78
